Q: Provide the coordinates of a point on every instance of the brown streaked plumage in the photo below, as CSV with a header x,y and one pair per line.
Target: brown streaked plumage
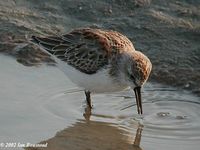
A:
x,y
95,51
81,46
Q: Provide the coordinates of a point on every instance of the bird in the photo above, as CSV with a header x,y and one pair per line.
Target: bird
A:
x,y
98,61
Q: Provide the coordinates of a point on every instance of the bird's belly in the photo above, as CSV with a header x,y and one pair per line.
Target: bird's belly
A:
x,y
99,82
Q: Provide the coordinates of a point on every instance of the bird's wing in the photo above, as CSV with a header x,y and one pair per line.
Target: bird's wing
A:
x,y
86,49
79,48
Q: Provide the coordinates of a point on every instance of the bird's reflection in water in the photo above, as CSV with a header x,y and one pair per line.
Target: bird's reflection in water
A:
x,y
92,135
137,140
136,143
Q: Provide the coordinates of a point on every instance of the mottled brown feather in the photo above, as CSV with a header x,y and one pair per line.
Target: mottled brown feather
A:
x,y
86,49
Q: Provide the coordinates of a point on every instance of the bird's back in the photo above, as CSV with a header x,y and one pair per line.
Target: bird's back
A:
x,y
86,49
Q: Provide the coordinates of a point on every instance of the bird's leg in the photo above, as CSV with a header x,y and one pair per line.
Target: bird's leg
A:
x,y
88,99
87,114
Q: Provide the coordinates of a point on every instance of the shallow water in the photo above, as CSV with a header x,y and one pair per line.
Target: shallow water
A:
x,y
37,102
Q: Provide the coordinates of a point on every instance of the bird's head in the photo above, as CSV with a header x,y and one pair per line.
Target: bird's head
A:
x,y
137,68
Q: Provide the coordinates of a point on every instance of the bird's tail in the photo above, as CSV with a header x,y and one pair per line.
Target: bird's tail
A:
x,y
46,44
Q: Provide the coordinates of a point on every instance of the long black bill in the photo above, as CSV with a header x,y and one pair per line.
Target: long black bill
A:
x,y
137,91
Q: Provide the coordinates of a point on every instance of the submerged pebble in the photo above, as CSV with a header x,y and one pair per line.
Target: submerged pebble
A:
x,y
163,114
181,117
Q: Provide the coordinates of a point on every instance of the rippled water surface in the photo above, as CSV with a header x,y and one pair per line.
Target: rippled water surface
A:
x,y
37,102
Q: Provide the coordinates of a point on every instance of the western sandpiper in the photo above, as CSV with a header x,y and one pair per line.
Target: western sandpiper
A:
x,y
98,61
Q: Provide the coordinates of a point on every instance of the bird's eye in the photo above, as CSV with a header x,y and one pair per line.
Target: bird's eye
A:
x,y
132,77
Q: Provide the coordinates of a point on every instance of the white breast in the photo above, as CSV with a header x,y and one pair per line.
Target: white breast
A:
x,y
99,82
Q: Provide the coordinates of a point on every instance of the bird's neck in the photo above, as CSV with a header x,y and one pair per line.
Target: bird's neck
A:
x,y
118,67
